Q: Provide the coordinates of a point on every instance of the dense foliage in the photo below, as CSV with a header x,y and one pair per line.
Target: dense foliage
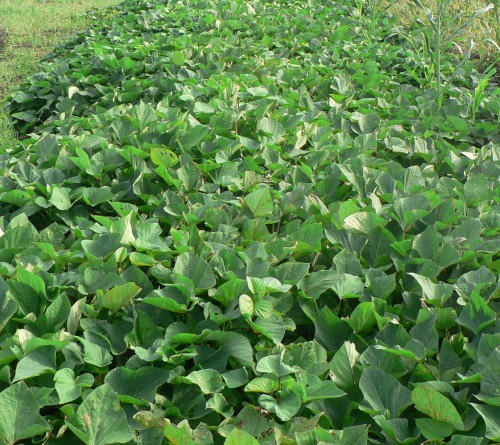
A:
x,y
249,222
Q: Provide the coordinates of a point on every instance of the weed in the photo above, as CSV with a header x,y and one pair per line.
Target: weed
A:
x,y
440,30
484,30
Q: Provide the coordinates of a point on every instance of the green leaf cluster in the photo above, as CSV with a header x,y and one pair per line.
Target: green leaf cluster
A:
x,y
238,222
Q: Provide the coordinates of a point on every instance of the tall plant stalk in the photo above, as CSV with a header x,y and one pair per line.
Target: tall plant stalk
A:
x,y
442,33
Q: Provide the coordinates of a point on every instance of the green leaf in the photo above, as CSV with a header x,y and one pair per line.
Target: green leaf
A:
x,y
479,281
94,196
380,284
54,317
196,269
362,318
68,386
227,292
178,435
192,137
273,329
395,429
307,239
457,439
115,298
316,283
291,272
209,380
240,437
434,293
19,416
141,259
163,157
236,345
178,58
260,202
383,392
220,405
425,330
162,301
330,330
491,417
310,356
347,286
271,127
17,197
433,429
28,290
343,366
285,405
273,364
431,402
478,188
476,315
409,210
32,280
38,362
368,123
60,198
8,308
354,435
100,420
139,384
261,286
252,420
95,354
265,385
103,245
490,385
235,378
317,389
363,222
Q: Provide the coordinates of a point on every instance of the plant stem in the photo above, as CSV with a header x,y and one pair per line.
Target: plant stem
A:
x,y
438,51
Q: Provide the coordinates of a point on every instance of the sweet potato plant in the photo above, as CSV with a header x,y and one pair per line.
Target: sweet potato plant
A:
x,y
249,222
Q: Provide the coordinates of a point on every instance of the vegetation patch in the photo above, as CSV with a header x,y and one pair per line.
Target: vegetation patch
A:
x,y
237,222
33,28
483,30
3,39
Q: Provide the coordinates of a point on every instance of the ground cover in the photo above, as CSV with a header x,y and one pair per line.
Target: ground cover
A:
x,y
29,29
255,223
484,31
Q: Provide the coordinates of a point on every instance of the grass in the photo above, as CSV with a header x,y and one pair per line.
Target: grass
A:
x,y
484,30
28,30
